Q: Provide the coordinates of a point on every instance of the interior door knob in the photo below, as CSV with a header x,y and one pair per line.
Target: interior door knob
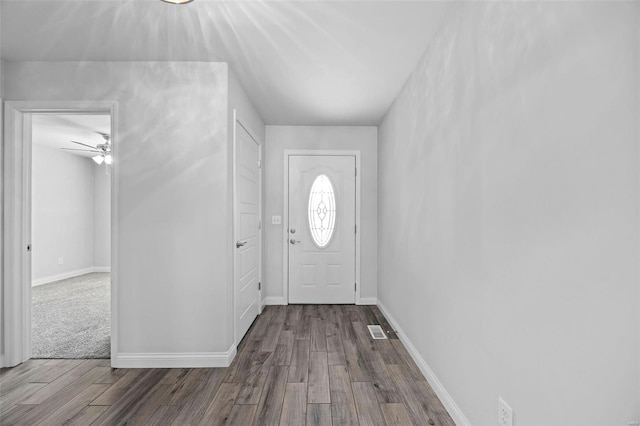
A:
x,y
294,241
240,243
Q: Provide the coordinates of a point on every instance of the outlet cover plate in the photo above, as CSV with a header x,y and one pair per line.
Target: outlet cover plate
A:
x,y
276,220
505,413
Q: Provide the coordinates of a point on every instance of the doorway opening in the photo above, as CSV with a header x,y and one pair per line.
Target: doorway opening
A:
x,y
19,274
70,235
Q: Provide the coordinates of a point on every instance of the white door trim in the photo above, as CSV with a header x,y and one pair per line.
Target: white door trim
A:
x,y
285,214
237,121
15,168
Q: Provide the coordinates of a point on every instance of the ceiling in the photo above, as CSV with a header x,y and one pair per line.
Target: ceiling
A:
x,y
301,62
58,130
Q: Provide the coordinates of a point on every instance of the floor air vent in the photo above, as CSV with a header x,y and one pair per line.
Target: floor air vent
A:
x,y
376,332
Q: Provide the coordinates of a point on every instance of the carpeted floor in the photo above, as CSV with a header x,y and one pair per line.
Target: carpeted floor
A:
x,y
72,318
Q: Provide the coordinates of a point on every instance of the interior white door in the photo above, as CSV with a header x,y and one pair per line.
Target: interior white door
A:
x,y
246,219
322,229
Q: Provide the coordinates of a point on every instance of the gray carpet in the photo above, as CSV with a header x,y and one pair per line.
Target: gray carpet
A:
x,y
72,318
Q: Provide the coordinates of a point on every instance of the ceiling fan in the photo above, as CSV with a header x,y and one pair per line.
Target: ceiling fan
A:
x,y
102,150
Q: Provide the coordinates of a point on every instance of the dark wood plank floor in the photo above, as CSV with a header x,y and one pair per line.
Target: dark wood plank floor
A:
x,y
298,364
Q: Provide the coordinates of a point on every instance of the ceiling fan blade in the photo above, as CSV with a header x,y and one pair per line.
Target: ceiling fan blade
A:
x,y
85,150
84,144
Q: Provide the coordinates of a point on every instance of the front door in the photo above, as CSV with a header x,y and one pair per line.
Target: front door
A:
x,y
246,211
322,229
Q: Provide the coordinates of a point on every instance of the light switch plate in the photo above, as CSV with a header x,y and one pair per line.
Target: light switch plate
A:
x,y
276,220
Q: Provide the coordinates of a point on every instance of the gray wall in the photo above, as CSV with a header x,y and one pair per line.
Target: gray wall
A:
x,y
172,178
101,217
280,138
62,213
508,210
1,193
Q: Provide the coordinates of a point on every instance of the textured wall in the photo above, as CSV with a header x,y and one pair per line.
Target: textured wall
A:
x,y
172,171
280,138
508,210
62,215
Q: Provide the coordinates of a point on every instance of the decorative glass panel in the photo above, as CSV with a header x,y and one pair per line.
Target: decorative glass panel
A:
x,y
322,211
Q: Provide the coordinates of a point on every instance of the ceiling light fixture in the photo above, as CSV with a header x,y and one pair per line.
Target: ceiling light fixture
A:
x,y
103,150
177,1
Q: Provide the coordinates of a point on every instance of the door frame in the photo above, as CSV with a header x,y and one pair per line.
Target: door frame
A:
x,y
237,121
285,212
15,168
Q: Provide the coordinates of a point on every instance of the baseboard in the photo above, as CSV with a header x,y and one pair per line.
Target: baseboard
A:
x,y
63,276
70,274
454,411
282,301
174,360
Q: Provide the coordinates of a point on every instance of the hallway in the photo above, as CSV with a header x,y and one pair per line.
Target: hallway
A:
x,y
313,364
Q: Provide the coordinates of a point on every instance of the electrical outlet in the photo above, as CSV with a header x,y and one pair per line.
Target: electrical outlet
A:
x,y
60,260
276,220
505,413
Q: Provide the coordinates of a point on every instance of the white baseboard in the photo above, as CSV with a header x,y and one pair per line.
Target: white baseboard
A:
x,y
174,360
454,411
58,277
70,274
282,301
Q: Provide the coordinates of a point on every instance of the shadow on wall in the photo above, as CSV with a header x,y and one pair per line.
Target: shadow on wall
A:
x,y
510,158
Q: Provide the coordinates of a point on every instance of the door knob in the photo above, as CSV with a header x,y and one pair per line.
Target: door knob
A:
x,y
293,241
240,243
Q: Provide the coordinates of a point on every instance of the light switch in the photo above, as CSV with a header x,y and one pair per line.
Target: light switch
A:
x,y
276,220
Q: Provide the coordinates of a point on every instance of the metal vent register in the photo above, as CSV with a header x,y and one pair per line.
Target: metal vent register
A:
x,y
376,332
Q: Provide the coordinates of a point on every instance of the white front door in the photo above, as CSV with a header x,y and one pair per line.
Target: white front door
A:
x,y
322,229
246,232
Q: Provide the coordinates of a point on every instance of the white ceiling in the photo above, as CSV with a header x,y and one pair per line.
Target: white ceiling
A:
x,y
301,62
58,130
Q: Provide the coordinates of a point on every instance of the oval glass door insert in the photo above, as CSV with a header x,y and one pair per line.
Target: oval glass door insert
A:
x,y
322,211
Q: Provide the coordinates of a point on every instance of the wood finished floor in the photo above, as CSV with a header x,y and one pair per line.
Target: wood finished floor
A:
x,y
297,365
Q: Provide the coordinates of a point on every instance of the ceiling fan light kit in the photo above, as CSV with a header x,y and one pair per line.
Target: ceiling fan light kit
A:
x,y
103,150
